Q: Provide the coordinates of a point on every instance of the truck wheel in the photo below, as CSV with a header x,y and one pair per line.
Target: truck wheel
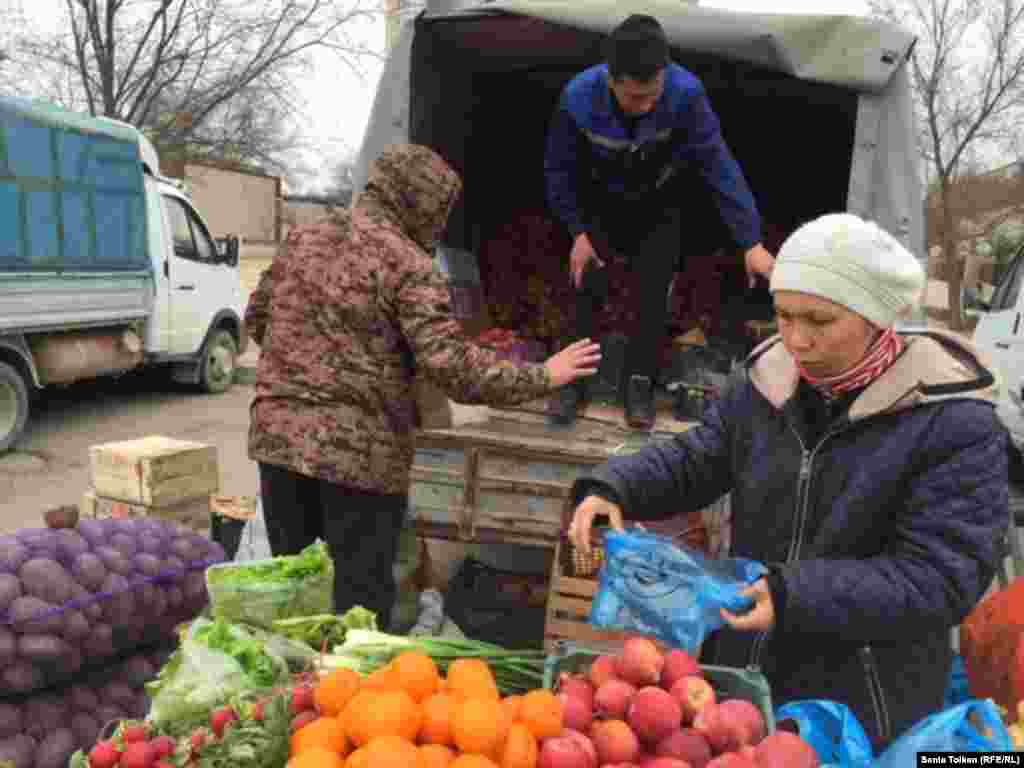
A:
x,y
13,406
217,367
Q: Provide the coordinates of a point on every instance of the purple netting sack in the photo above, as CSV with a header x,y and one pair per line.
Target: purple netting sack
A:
x,y
73,598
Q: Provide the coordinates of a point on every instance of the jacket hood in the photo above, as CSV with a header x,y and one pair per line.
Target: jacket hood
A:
x,y
935,366
412,188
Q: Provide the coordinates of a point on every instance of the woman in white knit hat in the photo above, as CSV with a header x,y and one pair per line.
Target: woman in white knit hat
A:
x,y
868,471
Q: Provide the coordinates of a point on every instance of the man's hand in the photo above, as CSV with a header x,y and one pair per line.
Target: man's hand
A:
x,y
579,359
760,618
581,255
583,520
758,262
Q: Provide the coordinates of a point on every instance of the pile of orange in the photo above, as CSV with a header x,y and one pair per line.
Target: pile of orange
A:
x,y
407,715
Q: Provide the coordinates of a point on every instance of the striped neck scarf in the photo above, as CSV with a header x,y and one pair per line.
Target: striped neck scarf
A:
x,y
880,356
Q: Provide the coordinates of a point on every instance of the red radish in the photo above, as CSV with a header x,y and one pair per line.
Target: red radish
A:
x,y
693,694
732,760
641,662
134,733
577,712
165,746
666,762
585,744
199,739
678,664
164,764
654,714
221,719
259,710
104,755
785,750
723,734
602,670
612,699
302,700
138,754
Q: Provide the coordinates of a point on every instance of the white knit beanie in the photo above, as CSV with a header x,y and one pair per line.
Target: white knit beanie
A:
x,y
852,262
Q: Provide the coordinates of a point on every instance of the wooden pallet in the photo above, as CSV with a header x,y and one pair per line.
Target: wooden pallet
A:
x,y
568,611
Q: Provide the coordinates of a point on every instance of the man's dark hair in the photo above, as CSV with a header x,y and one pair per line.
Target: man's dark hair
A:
x,y
637,49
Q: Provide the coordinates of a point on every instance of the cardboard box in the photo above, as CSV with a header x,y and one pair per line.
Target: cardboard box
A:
x,y
155,471
194,513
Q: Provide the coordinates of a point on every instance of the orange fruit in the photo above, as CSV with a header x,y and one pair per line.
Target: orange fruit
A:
x,y
472,679
473,761
392,752
520,750
512,705
316,757
479,726
435,756
373,713
542,714
324,732
335,691
359,759
416,673
382,679
438,711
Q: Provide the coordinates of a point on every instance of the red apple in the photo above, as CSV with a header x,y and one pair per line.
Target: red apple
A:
x,y
693,694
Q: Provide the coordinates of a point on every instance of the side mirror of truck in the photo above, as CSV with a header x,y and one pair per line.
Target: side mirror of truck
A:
x,y
227,250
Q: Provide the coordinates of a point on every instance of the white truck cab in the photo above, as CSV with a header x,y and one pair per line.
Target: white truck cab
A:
x,y
1000,329
105,265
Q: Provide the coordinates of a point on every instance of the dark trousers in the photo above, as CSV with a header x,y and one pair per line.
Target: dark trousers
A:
x,y
650,243
360,528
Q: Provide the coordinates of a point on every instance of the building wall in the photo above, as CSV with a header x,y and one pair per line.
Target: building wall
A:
x,y
300,213
235,202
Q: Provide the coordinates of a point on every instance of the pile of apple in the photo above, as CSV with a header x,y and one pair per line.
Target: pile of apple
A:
x,y
648,709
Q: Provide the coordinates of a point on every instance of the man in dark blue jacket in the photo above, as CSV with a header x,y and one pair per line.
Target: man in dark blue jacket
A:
x,y
867,469
626,138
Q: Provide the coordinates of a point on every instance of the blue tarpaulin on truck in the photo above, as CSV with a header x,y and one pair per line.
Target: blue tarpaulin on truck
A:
x,y
72,196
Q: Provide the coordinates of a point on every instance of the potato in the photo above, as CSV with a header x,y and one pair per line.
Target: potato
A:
x,y
12,554
119,608
94,531
100,641
194,585
88,603
71,543
120,694
82,698
86,729
8,647
45,713
65,516
56,749
42,648
152,544
47,580
114,560
39,541
173,566
19,750
20,677
76,626
10,589
10,720
124,543
137,671
30,614
148,564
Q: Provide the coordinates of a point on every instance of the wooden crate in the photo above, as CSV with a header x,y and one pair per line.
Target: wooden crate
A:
x,y
193,513
568,613
154,471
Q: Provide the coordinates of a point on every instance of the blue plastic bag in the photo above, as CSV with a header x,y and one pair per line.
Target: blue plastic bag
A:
x,y
974,726
832,729
655,587
959,690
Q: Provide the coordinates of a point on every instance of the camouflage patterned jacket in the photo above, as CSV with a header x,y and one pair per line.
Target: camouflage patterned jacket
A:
x,y
351,309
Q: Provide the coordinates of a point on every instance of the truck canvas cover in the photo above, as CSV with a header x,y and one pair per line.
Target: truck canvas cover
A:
x,y
855,64
72,197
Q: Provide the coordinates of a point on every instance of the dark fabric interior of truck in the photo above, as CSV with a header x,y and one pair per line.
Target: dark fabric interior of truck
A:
x,y
494,81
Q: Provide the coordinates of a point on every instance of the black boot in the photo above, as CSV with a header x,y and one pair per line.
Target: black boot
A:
x,y
564,404
640,410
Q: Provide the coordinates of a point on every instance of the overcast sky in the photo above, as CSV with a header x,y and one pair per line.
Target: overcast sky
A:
x,y
338,101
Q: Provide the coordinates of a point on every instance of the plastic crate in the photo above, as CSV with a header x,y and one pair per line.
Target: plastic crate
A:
x,y
728,682
262,604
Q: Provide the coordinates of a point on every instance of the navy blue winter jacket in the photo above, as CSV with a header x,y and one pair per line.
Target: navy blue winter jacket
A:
x,y
880,521
591,152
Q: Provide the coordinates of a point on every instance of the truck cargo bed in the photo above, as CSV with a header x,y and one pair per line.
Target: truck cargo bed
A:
x,y
38,302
